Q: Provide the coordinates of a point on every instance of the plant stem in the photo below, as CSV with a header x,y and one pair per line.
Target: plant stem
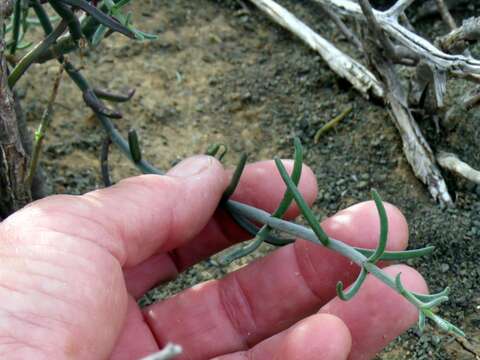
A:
x,y
31,56
17,15
104,161
83,85
356,256
108,126
42,129
42,16
307,234
69,17
67,44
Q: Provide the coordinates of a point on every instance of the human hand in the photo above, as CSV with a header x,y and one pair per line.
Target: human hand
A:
x,y
71,268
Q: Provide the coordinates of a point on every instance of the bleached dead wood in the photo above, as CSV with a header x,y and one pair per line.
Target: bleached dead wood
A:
x,y
452,163
445,13
415,147
388,21
349,35
342,64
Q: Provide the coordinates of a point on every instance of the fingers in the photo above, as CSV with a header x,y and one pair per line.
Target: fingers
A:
x,y
362,221
271,294
358,226
141,278
373,318
319,337
260,186
377,315
142,215
220,232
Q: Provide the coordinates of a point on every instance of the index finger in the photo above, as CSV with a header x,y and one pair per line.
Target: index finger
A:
x,y
260,186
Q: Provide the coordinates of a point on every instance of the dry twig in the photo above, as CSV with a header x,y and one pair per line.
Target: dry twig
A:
x,y
342,26
453,163
445,13
332,123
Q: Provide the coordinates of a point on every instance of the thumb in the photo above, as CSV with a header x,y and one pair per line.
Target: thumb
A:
x,y
139,216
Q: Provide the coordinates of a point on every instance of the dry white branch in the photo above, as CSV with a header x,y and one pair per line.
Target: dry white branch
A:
x,y
388,21
418,152
342,26
451,162
343,65
445,13
415,147
399,8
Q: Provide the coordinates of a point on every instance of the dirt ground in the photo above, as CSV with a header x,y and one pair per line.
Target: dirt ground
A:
x,y
222,73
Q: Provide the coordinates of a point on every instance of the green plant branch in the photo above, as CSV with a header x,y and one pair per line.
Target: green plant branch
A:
x,y
17,16
106,123
42,16
302,232
90,26
264,232
30,57
85,87
235,178
101,17
69,17
356,256
118,98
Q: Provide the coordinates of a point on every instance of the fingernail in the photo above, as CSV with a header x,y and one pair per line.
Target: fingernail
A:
x,y
191,166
